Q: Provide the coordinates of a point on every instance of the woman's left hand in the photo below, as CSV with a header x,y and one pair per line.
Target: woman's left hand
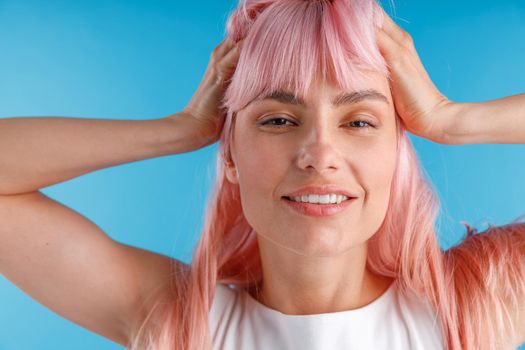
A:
x,y
424,110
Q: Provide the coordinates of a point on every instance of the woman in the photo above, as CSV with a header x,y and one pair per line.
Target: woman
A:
x,y
316,107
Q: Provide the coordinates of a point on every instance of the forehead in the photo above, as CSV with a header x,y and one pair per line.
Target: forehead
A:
x,y
374,89
343,98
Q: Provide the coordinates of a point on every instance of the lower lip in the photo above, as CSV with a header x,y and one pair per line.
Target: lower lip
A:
x,y
318,209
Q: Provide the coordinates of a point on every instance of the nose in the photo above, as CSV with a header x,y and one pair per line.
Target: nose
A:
x,y
319,152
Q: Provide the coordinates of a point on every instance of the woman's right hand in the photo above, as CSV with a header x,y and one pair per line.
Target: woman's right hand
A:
x,y
203,116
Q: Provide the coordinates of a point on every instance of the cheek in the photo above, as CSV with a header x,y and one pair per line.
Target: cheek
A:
x,y
381,169
261,162
260,171
260,166
378,176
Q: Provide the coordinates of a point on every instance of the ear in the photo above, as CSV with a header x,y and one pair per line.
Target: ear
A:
x,y
231,172
229,163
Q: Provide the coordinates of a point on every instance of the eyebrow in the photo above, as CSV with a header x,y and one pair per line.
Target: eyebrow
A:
x,y
341,99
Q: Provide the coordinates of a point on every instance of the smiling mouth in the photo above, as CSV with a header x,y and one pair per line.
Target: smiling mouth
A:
x,y
291,200
317,209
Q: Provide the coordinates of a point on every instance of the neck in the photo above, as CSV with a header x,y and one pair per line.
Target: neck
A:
x,y
303,285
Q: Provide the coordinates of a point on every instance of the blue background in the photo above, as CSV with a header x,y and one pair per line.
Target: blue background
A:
x,y
144,60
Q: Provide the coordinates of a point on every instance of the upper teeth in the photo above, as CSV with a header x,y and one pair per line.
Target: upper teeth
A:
x,y
322,199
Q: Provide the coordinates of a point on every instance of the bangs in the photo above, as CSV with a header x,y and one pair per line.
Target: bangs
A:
x,y
290,44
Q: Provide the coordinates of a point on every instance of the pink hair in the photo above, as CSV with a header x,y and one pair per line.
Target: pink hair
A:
x,y
287,44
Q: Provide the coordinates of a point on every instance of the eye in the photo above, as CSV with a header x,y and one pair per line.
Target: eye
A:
x,y
362,122
281,122
278,122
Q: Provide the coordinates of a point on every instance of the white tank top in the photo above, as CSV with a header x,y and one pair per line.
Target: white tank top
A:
x,y
393,321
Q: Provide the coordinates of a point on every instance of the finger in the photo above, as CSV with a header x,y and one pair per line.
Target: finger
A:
x,y
388,47
399,57
391,28
222,49
232,56
394,31
229,61
240,43
226,66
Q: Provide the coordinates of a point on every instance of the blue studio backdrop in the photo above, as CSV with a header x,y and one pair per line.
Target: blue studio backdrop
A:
x,y
144,59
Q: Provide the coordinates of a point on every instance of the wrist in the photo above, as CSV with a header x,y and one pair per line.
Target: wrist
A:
x,y
184,133
457,130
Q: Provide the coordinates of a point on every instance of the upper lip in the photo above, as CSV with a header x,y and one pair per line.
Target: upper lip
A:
x,y
320,189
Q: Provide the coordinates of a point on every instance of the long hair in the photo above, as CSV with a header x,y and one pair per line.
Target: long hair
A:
x,y
288,43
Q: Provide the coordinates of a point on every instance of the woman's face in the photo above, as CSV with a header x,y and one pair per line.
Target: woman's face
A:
x,y
280,147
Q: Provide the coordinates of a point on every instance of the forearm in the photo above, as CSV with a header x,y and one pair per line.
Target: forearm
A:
x,y
39,152
497,121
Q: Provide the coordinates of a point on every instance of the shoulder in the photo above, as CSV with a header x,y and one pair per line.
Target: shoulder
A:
x,y
223,305
224,295
420,318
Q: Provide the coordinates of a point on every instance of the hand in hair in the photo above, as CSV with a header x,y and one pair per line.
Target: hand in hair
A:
x,y
205,113
424,110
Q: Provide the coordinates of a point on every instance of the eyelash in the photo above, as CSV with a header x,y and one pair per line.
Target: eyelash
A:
x,y
264,123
